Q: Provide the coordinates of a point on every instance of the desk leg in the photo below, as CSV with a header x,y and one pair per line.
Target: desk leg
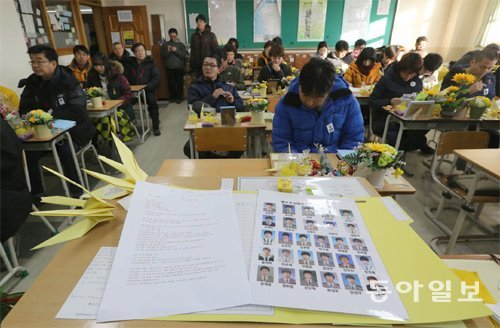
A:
x,y
191,144
386,128
258,144
461,216
116,121
59,166
75,160
146,113
400,135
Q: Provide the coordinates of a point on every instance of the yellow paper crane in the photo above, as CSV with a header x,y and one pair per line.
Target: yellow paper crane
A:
x,y
129,167
93,210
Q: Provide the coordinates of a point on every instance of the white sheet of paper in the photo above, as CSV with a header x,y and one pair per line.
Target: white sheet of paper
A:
x,y
318,227
192,20
26,6
115,37
395,209
84,300
383,7
29,25
227,184
333,187
244,204
179,252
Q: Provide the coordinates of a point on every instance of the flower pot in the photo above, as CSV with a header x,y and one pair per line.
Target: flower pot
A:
x,y
475,113
447,114
263,92
96,102
43,132
376,178
258,118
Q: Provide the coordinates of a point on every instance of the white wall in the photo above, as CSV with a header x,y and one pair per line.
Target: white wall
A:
x,y
451,26
13,57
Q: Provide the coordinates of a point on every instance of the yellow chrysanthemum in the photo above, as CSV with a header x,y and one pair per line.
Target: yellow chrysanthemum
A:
x,y
464,78
452,88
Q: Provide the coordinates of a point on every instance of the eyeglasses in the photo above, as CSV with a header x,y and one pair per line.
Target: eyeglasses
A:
x,y
210,65
37,62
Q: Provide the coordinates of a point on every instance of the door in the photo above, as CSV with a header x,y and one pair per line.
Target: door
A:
x,y
126,24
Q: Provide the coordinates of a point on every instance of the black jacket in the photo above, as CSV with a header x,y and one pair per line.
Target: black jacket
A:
x,y
15,198
391,85
123,59
268,73
64,95
202,45
145,73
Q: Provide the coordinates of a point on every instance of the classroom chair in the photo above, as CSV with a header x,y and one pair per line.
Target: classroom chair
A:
x,y
255,73
273,101
372,136
220,139
301,60
11,264
454,184
81,156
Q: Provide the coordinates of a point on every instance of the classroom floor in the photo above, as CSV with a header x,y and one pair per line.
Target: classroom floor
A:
x,y
169,145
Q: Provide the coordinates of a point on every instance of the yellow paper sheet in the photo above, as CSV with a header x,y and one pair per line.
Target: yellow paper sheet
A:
x,y
112,180
65,201
74,231
110,192
129,160
406,258
77,212
470,278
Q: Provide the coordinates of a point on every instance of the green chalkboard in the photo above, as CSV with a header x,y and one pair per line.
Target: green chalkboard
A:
x,y
289,19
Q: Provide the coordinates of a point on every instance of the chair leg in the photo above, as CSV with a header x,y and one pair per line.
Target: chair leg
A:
x,y
12,269
456,231
53,230
85,177
98,160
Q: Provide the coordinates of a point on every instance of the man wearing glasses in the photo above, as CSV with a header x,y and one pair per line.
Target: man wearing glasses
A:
x,y
53,88
213,91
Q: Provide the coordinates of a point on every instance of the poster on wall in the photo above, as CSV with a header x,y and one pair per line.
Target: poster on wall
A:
x,y
128,37
356,20
266,20
222,18
125,15
312,16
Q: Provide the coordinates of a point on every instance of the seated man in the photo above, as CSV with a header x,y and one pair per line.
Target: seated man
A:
x,y
429,72
213,91
481,67
230,73
80,65
53,88
141,70
276,69
319,109
119,53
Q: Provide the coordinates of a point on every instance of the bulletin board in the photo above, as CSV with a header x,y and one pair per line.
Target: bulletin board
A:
x,y
31,15
289,22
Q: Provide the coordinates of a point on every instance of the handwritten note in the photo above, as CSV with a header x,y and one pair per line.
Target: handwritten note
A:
x,y
180,252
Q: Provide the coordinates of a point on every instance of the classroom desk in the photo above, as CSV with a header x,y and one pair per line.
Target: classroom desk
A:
x,y
361,97
486,163
49,144
256,132
140,92
428,123
402,187
38,307
108,108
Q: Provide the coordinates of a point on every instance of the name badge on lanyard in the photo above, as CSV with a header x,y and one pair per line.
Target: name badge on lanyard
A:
x,y
330,128
485,91
60,99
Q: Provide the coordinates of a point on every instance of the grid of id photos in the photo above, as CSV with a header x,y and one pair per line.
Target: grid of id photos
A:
x,y
305,246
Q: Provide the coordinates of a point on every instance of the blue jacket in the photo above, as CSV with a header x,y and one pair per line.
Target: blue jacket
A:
x,y
338,126
202,89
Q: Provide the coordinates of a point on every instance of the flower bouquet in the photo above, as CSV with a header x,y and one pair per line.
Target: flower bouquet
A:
x,y
478,106
260,89
22,128
247,70
257,107
42,121
95,94
371,160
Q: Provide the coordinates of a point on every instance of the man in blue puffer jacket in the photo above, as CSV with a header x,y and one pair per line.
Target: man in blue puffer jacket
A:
x,y
318,109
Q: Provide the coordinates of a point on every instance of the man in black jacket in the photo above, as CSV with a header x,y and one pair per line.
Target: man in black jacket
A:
x,y
119,53
276,69
141,70
203,43
53,88
174,54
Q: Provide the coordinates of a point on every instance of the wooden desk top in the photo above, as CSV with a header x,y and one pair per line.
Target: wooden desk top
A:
x,y
108,105
403,187
486,159
35,139
40,304
138,87
268,125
